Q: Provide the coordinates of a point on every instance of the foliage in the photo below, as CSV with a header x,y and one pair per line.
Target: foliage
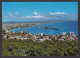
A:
x,y
35,48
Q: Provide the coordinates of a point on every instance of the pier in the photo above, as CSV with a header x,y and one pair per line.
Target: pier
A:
x,y
49,28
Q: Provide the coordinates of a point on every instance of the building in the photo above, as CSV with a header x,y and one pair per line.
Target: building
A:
x,y
61,39
41,40
34,37
45,37
76,38
71,33
63,33
21,38
16,37
5,36
13,32
71,38
6,31
25,38
53,36
49,39
40,34
26,35
20,32
11,37
24,32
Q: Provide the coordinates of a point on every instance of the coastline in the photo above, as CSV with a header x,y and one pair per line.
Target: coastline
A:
x,y
11,26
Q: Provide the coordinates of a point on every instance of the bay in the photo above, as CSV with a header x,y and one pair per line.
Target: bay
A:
x,y
65,27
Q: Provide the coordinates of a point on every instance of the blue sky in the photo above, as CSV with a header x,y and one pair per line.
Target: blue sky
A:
x,y
37,11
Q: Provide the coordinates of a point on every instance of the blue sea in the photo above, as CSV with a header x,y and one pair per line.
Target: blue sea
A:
x,y
65,27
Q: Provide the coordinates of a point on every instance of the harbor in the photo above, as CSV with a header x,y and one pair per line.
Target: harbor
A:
x,y
49,28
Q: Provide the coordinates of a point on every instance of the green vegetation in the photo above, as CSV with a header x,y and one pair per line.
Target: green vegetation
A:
x,y
32,48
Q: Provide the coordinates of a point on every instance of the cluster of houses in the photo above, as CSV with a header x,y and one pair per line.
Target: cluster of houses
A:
x,y
23,35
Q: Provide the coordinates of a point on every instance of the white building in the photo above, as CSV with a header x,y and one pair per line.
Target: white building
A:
x,y
10,37
63,37
34,39
21,38
40,34
13,32
5,36
49,39
71,33
71,38
76,38
34,36
41,40
25,38
26,35
63,33
45,37
6,31
16,37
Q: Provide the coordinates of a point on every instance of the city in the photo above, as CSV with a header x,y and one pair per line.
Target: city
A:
x,y
40,29
23,35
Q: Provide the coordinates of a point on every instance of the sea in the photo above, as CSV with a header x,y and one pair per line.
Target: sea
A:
x,y
65,27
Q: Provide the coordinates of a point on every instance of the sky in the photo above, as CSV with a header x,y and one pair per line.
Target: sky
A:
x,y
39,11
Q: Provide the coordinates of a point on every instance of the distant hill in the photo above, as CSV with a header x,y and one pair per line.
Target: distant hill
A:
x,y
40,21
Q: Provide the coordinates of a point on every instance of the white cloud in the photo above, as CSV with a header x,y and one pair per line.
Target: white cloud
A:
x,y
47,17
59,13
13,15
9,13
51,13
16,13
35,13
39,16
33,16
